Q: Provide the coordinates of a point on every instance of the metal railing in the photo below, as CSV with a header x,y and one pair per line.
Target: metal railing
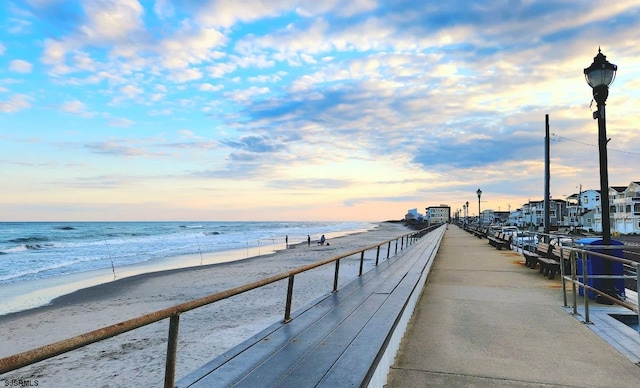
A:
x,y
584,253
574,278
33,356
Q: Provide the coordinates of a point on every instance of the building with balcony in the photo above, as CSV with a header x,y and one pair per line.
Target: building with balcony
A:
x,y
625,208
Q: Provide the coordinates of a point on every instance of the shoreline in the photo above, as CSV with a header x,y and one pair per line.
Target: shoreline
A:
x,y
137,357
36,294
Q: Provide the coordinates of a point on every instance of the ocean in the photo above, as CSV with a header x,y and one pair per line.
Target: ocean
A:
x,y
32,251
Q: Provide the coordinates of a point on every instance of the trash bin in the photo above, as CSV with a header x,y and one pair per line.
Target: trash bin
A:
x,y
596,266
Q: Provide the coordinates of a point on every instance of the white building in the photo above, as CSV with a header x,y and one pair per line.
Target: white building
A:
x,y
625,208
438,214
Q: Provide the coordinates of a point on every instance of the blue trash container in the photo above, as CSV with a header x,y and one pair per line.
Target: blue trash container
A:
x,y
595,266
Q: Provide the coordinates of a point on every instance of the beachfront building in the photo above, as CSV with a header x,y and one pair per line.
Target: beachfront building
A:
x,y
532,214
516,218
413,215
438,214
487,217
625,208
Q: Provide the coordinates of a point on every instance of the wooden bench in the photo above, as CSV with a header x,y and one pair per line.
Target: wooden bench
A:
x,y
500,240
338,340
531,258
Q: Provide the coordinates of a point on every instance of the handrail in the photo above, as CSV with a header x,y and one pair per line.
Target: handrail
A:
x,y
573,278
33,356
585,251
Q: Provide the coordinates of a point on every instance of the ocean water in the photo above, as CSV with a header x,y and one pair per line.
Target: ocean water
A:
x,y
31,251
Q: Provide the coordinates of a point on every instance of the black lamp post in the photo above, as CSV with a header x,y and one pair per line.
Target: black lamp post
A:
x,y
479,192
467,203
599,76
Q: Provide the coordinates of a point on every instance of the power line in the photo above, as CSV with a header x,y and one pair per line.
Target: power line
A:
x,y
555,137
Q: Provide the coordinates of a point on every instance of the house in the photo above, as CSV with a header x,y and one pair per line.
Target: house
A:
x,y
438,214
625,208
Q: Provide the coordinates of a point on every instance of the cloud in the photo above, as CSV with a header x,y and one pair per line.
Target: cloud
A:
x,y
118,148
77,108
2,49
16,103
20,66
257,144
120,122
310,184
207,87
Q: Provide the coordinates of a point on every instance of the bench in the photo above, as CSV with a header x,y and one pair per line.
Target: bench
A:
x,y
340,339
500,240
531,258
480,232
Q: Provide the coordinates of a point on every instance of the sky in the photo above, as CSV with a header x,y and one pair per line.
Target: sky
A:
x,y
306,110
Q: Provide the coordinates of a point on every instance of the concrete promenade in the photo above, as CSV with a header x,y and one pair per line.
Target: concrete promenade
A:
x,y
484,319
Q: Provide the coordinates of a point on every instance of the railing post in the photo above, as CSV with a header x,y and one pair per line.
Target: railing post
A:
x,y
564,283
388,249
585,283
335,278
402,243
638,289
287,307
172,348
361,263
377,255
396,252
573,283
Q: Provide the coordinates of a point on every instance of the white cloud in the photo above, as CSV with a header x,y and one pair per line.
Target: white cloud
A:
x,y
111,20
77,108
219,70
2,49
207,87
185,75
247,94
191,46
120,122
17,102
131,91
20,66
222,13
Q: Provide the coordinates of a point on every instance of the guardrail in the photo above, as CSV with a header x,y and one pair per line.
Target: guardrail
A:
x,y
631,269
574,276
33,356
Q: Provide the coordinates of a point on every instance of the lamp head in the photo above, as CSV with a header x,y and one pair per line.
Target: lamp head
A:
x,y
601,71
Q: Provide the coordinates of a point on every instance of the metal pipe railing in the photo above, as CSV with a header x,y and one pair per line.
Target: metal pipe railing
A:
x,y
585,276
33,356
569,243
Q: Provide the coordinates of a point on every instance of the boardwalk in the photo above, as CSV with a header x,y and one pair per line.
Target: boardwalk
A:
x,y
486,320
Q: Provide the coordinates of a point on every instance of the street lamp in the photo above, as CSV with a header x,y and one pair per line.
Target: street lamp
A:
x,y
479,192
467,203
599,76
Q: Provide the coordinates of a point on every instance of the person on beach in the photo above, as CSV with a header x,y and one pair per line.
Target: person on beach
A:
x,y
308,240
286,240
322,240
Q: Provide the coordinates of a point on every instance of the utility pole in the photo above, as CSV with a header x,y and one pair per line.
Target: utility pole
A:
x,y
547,177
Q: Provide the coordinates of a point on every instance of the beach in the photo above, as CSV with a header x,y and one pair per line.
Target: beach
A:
x,y
137,358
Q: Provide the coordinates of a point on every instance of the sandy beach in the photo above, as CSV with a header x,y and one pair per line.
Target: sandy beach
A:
x,y
137,358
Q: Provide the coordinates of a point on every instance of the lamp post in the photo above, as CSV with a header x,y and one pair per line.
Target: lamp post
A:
x,y
479,192
467,203
599,76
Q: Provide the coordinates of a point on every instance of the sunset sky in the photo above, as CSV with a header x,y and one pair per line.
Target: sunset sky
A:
x,y
305,110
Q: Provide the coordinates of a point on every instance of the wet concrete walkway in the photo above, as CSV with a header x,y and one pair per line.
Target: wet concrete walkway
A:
x,y
484,319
